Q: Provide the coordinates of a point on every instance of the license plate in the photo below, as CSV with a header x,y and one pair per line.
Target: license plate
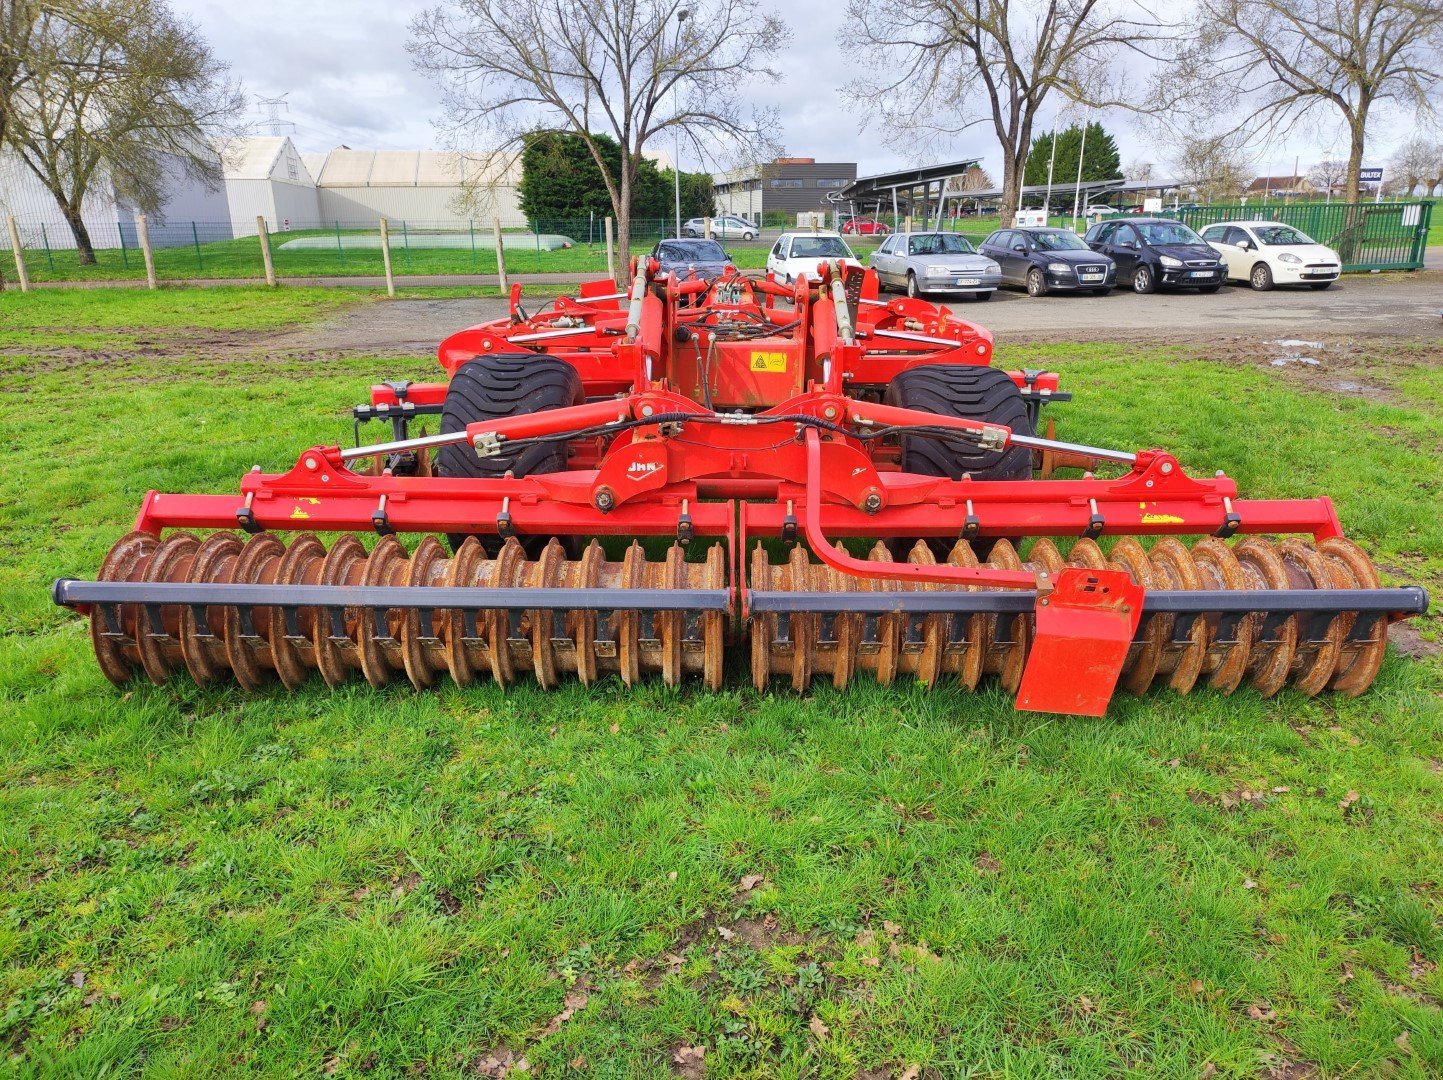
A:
x,y
1089,277
1201,273
969,281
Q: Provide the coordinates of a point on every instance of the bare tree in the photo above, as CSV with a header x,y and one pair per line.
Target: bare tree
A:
x,y
630,69
975,179
1328,174
930,63
1417,163
1212,165
1291,61
121,89
1137,169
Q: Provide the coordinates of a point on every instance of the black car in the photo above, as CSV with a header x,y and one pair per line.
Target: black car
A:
x,y
703,259
1049,260
1158,253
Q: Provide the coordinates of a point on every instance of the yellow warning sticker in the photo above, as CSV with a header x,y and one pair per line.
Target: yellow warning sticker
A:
x,y
769,361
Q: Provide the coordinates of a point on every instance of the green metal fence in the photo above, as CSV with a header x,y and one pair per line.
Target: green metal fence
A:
x,y
1368,236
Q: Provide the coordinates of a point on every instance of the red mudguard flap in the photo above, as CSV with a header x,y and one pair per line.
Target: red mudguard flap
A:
x,y
1083,631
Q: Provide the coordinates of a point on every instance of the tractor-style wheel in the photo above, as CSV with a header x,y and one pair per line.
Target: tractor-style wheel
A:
x,y
1261,277
492,387
974,393
1142,280
912,289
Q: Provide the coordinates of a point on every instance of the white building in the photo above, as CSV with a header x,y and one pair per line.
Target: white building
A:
x,y
265,176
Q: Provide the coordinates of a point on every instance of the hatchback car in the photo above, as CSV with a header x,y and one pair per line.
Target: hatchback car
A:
x,y
865,226
703,259
935,262
1049,260
725,227
1268,253
798,253
1158,253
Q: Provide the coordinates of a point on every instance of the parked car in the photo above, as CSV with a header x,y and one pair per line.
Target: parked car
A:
x,y
1158,253
935,262
723,227
865,226
705,259
798,253
1268,253
1049,260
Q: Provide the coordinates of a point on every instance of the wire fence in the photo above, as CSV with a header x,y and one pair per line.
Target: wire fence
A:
x,y
184,250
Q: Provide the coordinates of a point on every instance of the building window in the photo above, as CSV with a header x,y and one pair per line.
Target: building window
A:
x,y
833,182
787,182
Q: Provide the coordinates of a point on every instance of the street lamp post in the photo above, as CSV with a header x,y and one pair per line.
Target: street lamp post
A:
x,y
681,17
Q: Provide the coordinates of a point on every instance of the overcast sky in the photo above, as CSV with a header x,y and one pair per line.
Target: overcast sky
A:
x,y
348,79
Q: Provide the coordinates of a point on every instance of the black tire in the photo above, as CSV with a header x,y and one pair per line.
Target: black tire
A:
x,y
508,384
1036,282
1208,290
912,290
977,393
1142,280
971,392
1319,285
749,236
1261,277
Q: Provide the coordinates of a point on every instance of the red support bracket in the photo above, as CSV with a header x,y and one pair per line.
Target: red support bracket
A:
x,y
1084,628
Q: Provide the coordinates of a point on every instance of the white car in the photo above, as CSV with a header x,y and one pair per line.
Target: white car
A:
x,y
1268,253
798,253
725,227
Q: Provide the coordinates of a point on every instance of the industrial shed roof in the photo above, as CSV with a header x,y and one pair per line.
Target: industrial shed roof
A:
x,y
255,158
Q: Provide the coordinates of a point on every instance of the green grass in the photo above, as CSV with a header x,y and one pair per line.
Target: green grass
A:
x,y
380,883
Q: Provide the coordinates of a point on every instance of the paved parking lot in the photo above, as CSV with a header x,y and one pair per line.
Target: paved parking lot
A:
x,y
1404,306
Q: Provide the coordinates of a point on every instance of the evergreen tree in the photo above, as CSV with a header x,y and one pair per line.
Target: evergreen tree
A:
x,y
1101,160
560,180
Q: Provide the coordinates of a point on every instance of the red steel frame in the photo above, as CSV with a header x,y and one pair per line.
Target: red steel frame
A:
x,y
733,475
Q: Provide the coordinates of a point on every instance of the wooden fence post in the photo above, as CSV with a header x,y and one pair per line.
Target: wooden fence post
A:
x,y
610,251
265,238
142,229
500,254
386,258
20,271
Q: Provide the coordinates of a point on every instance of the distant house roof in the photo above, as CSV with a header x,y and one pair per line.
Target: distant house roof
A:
x,y
1281,183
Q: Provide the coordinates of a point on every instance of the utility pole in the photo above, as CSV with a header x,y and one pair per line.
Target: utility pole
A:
x,y
681,17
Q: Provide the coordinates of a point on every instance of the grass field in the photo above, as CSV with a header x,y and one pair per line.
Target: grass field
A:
x,y
650,883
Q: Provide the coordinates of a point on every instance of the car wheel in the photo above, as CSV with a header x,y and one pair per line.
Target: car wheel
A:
x,y
912,290
1142,280
1319,285
749,236
1036,283
1261,278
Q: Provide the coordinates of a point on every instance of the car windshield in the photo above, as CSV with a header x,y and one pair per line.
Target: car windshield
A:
x,y
1279,235
1167,232
939,244
1059,241
820,247
691,251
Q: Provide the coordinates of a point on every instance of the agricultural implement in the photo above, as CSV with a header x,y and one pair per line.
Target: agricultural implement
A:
x,y
839,480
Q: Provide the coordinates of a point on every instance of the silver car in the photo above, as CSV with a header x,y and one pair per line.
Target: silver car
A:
x,y
723,227
935,262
